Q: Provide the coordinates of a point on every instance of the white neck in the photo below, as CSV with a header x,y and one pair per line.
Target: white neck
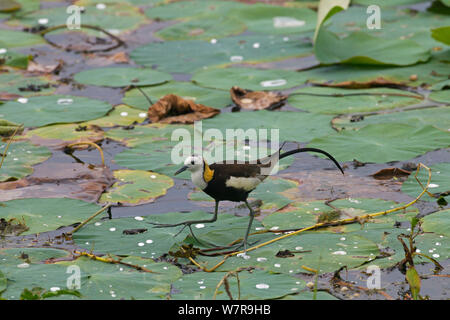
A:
x,y
197,179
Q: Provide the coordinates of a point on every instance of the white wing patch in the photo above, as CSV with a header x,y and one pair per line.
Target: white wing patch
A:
x,y
244,183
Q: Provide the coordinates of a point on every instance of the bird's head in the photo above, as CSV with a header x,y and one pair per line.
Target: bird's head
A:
x,y
192,163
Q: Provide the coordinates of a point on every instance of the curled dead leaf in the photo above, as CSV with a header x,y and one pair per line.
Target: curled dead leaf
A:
x,y
35,67
389,173
174,109
256,100
378,82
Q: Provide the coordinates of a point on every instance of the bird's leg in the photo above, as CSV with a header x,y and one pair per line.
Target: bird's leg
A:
x,y
189,223
252,216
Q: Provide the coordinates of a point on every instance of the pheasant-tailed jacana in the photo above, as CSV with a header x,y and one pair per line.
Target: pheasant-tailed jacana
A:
x,y
233,180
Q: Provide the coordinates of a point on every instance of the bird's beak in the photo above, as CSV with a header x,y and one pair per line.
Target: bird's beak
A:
x,y
183,168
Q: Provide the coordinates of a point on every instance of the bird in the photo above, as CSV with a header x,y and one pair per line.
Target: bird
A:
x,y
233,181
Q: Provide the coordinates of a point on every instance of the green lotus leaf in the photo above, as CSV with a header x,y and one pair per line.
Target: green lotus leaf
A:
x,y
291,126
43,110
187,56
13,39
437,222
270,19
20,158
41,215
136,187
438,117
14,82
247,78
204,27
382,142
191,9
254,285
121,77
121,115
440,181
440,96
348,104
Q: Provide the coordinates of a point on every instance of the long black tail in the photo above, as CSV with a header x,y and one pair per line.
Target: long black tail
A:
x,y
288,153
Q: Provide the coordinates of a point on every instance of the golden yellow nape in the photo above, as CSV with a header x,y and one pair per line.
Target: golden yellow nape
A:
x,y
208,173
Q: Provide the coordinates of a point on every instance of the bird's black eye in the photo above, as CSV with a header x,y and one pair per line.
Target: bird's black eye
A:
x,y
192,162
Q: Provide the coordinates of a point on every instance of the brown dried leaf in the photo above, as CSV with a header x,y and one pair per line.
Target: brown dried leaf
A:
x,y
56,180
256,100
5,96
35,67
389,173
378,82
174,109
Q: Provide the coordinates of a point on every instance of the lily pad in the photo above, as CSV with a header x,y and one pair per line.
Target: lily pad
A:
x,y
111,236
13,39
121,115
121,77
248,78
204,27
136,187
437,222
348,104
186,90
148,133
440,182
15,83
254,285
20,158
291,126
440,96
382,142
441,34
117,16
42,110
270,19
191,9
42,215
438,117
186,56
429,73
363,48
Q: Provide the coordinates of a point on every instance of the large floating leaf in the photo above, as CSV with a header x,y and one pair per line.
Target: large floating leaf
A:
x,y
437,222
137,187
58,134
270,19
292,126
113,16
363,48
111,236
186,56
442,34
440,96
383,142
254,285
440,181
14,82
204,27
145,134
348,104
121,77
191,9
186,90
248,78
43,110
121,115
431,72
438,117
41,215
20,158
12,39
